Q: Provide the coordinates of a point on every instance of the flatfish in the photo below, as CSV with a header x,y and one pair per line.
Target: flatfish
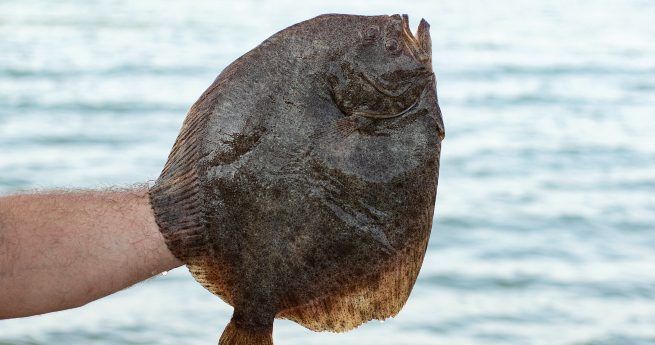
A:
x,y
303,181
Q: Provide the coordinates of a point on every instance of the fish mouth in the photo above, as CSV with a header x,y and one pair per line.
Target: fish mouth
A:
x,y
378,86
420,44
378,115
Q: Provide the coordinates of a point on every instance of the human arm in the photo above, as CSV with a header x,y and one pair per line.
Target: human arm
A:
x,y
61,250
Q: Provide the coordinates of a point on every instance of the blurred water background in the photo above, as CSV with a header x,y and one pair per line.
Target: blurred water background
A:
x,y
545,219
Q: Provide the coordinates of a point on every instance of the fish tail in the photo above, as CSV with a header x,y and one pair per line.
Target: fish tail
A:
x,y
235,335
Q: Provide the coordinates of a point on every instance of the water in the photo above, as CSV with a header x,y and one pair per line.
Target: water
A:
x,y
545,219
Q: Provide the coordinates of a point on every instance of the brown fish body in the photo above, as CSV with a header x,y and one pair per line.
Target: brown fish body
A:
x,y
303,181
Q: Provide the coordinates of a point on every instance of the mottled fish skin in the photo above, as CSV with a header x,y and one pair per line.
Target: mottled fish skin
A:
x,y
303,181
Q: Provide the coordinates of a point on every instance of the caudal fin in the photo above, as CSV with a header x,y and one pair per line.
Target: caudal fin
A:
x,y
234,335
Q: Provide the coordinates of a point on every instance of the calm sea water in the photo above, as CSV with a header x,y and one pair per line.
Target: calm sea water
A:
x,y
545,220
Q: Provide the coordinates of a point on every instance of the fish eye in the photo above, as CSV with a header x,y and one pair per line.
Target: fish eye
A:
x,y
370,34
392,45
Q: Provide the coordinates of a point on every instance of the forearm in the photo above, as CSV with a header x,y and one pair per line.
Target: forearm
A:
x,y
62,250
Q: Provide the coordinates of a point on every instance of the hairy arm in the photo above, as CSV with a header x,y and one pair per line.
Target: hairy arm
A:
x,y
61,250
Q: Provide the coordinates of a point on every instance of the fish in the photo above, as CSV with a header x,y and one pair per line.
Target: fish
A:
x,y
303,181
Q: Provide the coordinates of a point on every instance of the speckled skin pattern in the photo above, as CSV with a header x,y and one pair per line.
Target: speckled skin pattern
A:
x,y
303,182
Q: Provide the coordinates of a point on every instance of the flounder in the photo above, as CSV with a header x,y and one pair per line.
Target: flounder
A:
x,y
303,181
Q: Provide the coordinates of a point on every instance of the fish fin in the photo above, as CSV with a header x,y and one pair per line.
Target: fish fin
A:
x,y
213,277
346,126
341,129
176,196
235,335
377,298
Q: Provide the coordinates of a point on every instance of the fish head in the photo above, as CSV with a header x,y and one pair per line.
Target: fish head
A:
x,y
385,73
